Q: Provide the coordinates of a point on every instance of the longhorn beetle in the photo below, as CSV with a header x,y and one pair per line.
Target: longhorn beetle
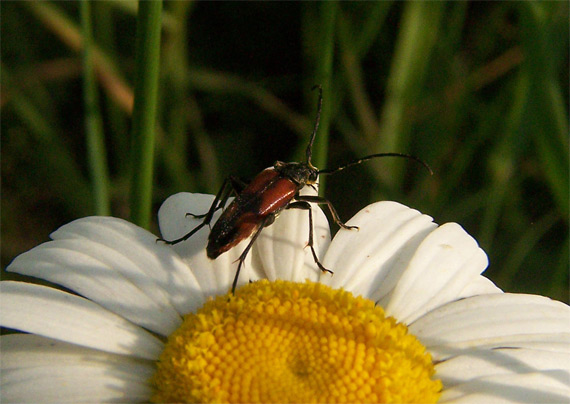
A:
x,y
258,203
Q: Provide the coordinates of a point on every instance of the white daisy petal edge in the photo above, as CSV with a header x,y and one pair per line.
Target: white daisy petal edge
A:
x,y
490,321
368,261
533,387
479,286
399,258
120,266
449,259
60,315
96,272
500,348
155,269
475,364
38,369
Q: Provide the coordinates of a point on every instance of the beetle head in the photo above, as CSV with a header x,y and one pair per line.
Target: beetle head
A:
x,y
300,173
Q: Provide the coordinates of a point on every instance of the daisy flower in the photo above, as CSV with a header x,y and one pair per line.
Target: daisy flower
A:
x,y
406,317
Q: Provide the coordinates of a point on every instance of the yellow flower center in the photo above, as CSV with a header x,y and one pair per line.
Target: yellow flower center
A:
x,y
293,342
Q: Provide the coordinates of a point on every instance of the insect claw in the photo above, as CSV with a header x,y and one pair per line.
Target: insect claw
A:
x,y
196,216
165,241
323,269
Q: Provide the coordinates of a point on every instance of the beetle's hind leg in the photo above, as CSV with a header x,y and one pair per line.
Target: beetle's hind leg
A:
x,y
265,222
230,185
307,206
237,185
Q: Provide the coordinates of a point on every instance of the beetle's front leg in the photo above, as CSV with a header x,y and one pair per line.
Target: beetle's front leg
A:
x,y
230,185
306,206
321,200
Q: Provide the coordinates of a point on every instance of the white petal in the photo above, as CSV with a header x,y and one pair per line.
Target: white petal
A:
x,y
369,261
478,363
154,269
66,317
558,343
175,223
539,387
443,265
96,272
214,276
479,286
37,369
490,321
282,251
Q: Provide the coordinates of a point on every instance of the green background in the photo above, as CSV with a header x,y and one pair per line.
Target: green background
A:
x,y
478,90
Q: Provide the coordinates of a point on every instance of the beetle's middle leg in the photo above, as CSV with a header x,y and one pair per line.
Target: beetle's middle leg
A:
x,y
307,206
324,201
230,185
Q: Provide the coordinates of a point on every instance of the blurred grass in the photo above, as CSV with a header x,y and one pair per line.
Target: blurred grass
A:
x,y
477,90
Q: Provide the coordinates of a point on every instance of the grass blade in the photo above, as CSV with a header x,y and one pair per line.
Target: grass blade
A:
x,y
144,110
96,153
416,40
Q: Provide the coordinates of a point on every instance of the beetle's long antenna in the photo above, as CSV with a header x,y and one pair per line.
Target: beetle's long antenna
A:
x,y
373,156
319,109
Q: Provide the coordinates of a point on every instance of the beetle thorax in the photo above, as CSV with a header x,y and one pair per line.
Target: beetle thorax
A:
x,y
299,173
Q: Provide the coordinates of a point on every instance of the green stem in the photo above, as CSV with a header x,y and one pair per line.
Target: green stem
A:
x,y
370,28
416,40
96,153
550,123
57,167
144,111
323,76
355,82
522,248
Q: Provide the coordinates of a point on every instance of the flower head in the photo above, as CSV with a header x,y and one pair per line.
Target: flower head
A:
x,y
407,316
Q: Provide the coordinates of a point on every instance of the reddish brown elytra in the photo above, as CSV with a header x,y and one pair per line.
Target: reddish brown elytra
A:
x,y
258,203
